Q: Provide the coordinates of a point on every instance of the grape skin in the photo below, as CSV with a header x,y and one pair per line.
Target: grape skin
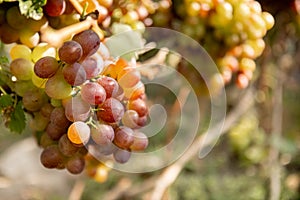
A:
x,y
46,67
70,52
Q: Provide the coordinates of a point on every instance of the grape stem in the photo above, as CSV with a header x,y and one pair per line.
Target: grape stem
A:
x,y
81,11
57,37
2,90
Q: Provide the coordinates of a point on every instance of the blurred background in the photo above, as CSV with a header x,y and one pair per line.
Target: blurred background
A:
x,y
257,157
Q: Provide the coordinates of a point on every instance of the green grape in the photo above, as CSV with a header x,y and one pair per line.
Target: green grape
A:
x,y
21,87
15,19
20,51
39,122
46,141
57,87
29,37
269,20
42,50
33,100
38,82
22,68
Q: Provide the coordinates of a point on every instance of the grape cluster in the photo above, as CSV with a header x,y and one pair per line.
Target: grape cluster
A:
x,y
79,98
231,31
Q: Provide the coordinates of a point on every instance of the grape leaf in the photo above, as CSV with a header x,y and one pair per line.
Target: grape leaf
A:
x,y
17,121
32,8
5,101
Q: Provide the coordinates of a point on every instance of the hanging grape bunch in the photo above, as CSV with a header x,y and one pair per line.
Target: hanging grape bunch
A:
x,y
231,31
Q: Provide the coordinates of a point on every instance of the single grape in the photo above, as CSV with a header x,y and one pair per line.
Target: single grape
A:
x,y
79,133
29,37
66,147
111,111
46,141
140,142
21,87
121,156
77,110
89,41
21,68
130,119
15,19
39,122
55,8
70,52
38,82
57,87
42,50
46,110
51,157
46,67
110,85
74,74
59,118
92,67
139,106
129,77
123,137
75,165
54,131
20,51
93,93
102,134
106,149
33,100
8,34
142,121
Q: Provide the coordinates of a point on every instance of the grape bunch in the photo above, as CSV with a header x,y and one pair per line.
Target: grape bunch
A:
x,y
231,31
80,98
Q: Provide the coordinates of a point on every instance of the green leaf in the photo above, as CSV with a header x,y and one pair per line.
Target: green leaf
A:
x,y
17,121
5,101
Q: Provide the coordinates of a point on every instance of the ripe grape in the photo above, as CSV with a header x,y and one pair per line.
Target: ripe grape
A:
x,y
51,157
55,8
54,131
124,137
75,165
91,67
139,106
46,110
70,52
59,118
46,67
8,34
110,85
57,87
66,147
33,100
121,156
130,118
129,78
21,68
106,149
79,132
89,41
111,110
93,93
76,109
74,74
102,134
140,142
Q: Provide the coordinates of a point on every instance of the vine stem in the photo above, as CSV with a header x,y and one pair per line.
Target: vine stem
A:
x,y
2,90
